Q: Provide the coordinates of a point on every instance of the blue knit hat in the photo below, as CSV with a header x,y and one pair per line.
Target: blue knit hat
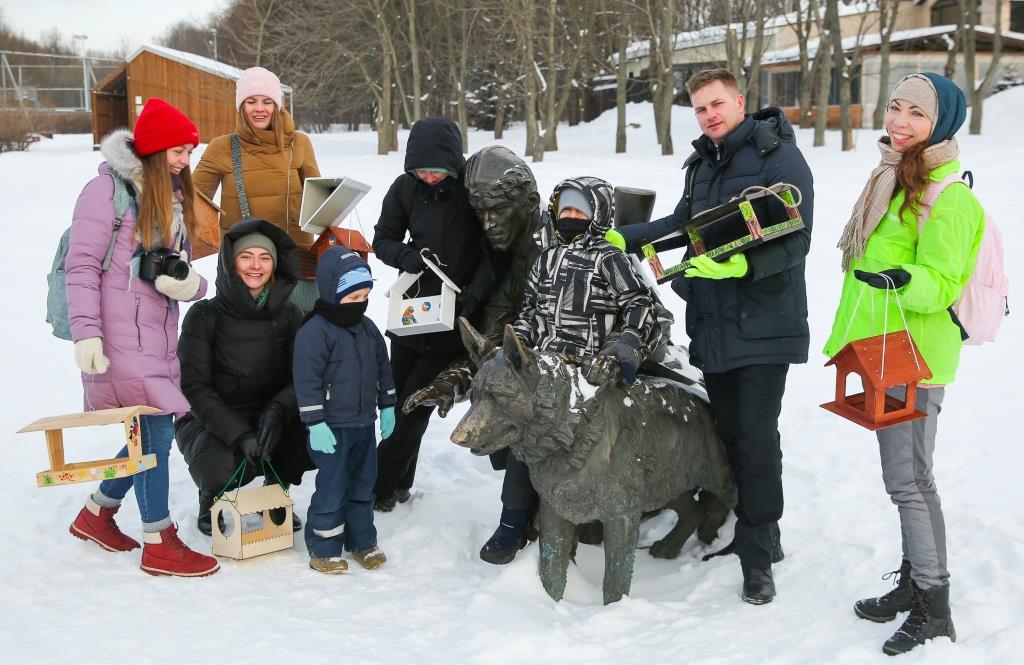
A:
x,y
952,108
353,280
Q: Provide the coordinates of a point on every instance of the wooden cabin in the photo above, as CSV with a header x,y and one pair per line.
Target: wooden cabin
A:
x,y
201,87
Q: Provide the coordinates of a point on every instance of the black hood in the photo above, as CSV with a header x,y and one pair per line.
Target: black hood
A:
x,y
232,293
435,143
598,193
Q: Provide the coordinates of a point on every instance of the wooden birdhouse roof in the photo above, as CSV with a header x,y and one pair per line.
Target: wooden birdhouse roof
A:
x,y
350,238
865,357
257,500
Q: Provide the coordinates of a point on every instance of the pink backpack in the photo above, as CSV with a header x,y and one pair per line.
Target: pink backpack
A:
x,y
983,302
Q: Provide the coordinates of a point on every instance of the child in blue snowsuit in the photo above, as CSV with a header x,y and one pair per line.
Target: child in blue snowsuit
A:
x,y
341,376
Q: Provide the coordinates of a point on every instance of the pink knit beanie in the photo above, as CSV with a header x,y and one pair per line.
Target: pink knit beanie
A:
x,y
258,81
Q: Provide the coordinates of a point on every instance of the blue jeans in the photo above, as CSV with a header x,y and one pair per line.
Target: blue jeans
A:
x,y
340,513
151,486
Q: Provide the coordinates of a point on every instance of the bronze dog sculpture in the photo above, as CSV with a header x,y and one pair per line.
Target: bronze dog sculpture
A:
x,y
603,454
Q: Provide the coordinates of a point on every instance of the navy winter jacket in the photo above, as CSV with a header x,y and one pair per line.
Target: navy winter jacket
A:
x,y
760,318
341,374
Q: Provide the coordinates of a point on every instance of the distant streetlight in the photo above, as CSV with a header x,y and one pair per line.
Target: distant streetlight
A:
x,y
85,71
213,41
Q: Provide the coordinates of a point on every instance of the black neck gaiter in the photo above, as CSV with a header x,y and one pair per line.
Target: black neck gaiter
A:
x,y
343,315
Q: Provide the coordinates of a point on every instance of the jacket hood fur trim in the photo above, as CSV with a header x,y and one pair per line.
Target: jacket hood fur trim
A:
x,y
116,148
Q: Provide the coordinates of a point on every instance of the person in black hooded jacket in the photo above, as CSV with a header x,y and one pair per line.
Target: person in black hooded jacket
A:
x,y
236,368
427,211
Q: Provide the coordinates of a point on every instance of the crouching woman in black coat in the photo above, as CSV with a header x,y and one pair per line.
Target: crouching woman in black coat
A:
x,y
236,368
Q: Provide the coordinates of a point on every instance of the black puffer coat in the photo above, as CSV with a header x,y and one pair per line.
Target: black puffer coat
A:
x,y
437,217
762,317
236,359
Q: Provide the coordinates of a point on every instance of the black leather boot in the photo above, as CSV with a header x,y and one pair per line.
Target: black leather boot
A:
x,y
777,553
929,618
758,585
203,521
508,538
885,608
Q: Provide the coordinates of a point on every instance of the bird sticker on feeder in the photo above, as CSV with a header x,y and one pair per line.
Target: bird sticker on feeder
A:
x,y
415,308
757,215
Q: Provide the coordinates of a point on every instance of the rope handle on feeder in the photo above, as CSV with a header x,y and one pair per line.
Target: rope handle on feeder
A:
x,y
240,475
890,285
774,191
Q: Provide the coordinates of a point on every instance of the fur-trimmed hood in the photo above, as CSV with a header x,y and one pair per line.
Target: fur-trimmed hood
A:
x,y
116,148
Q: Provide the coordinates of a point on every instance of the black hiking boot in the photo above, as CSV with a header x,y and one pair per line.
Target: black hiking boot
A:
x,y
929,618
385,504
204,521
508,538
402,495
777,553
885,608
758,585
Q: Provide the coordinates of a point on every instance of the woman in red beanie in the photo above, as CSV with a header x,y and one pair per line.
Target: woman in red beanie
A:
x,y
274,160
125,278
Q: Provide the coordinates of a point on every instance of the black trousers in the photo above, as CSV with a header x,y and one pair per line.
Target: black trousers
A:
x,y
517,490
745,403
397,454
212,461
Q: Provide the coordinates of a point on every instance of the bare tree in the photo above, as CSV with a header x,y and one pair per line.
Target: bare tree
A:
x,y
887,12
823,72
754,80
977,92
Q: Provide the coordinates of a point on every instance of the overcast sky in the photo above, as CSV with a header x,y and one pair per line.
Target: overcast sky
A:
x,y
107,23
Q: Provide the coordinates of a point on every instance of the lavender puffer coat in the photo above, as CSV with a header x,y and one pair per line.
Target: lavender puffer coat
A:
x,y
139,325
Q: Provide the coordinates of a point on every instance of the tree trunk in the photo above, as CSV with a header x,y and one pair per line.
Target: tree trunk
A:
x,y
551,91
978,91
621,91
887,12
754,82
842,71
667,43
414,60
823,72
384,116
463,74
499,111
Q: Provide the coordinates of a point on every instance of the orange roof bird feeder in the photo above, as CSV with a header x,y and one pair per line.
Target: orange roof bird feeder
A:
x,y
881,362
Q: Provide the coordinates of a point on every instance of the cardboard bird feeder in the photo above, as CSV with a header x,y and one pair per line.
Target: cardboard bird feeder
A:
x,y
412,310
756,216
64,473
243,526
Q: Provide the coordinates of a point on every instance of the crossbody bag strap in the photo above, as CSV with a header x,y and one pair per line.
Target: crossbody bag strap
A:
x,y
236,166
123,200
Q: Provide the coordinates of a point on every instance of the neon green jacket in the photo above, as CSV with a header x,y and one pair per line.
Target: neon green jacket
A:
x,y
940,261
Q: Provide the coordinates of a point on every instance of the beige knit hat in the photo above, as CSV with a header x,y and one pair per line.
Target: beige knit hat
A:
x,y
255,239
258,81
920,92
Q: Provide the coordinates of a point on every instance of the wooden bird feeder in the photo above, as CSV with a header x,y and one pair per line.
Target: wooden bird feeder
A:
x,y
349,238
881,362
249,530
753,218
62,473
207,241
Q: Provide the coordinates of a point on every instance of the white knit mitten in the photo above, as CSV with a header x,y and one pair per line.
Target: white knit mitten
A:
x,y
178,289
89,355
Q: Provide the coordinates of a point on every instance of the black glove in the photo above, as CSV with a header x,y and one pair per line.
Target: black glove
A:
x,y
626,350
249,444
412,262
466,305
897,278
271,423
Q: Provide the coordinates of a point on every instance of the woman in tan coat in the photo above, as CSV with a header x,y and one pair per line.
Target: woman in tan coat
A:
x,y
275,160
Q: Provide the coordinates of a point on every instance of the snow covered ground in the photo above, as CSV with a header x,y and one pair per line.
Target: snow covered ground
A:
x,y
435,602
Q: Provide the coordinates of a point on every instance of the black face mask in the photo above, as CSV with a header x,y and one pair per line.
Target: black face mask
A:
x,y
568,228
344,315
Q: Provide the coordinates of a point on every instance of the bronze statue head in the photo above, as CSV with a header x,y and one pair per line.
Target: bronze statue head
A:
x,y
503,192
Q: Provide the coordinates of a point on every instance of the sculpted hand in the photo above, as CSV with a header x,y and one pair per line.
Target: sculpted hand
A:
x,y
708,268
89,356
321,438
893,278
387,421
625,350
178,289
437,393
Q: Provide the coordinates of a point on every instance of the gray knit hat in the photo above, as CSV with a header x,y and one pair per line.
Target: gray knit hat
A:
x,y
920,92
255,239
574,198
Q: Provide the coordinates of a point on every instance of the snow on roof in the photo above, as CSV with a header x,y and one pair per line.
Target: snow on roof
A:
x,y
208,65
792,54
715,34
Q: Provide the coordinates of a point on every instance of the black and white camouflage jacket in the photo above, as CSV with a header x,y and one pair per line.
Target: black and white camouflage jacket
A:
x,y
580,296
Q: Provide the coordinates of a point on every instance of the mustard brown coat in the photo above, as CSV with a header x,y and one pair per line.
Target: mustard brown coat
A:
x,y
273,177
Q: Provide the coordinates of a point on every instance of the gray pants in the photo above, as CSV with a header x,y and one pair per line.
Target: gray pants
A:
x,y
906,451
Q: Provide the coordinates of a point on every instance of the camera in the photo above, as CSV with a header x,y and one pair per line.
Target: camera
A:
x,y
162,261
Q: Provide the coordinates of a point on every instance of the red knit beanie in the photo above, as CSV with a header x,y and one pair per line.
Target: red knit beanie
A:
x,y
161,126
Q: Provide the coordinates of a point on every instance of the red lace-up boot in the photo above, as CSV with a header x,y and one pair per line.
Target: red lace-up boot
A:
x,y
97,524
165,554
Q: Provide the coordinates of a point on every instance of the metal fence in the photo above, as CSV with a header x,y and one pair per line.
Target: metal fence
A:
x,y
51,81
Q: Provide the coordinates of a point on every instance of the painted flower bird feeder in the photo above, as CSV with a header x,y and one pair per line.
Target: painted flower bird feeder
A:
x,y
249,529
881,362
63,473
757,215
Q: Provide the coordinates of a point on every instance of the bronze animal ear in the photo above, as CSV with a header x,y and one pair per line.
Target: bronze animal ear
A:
x,y
515,351
479,347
